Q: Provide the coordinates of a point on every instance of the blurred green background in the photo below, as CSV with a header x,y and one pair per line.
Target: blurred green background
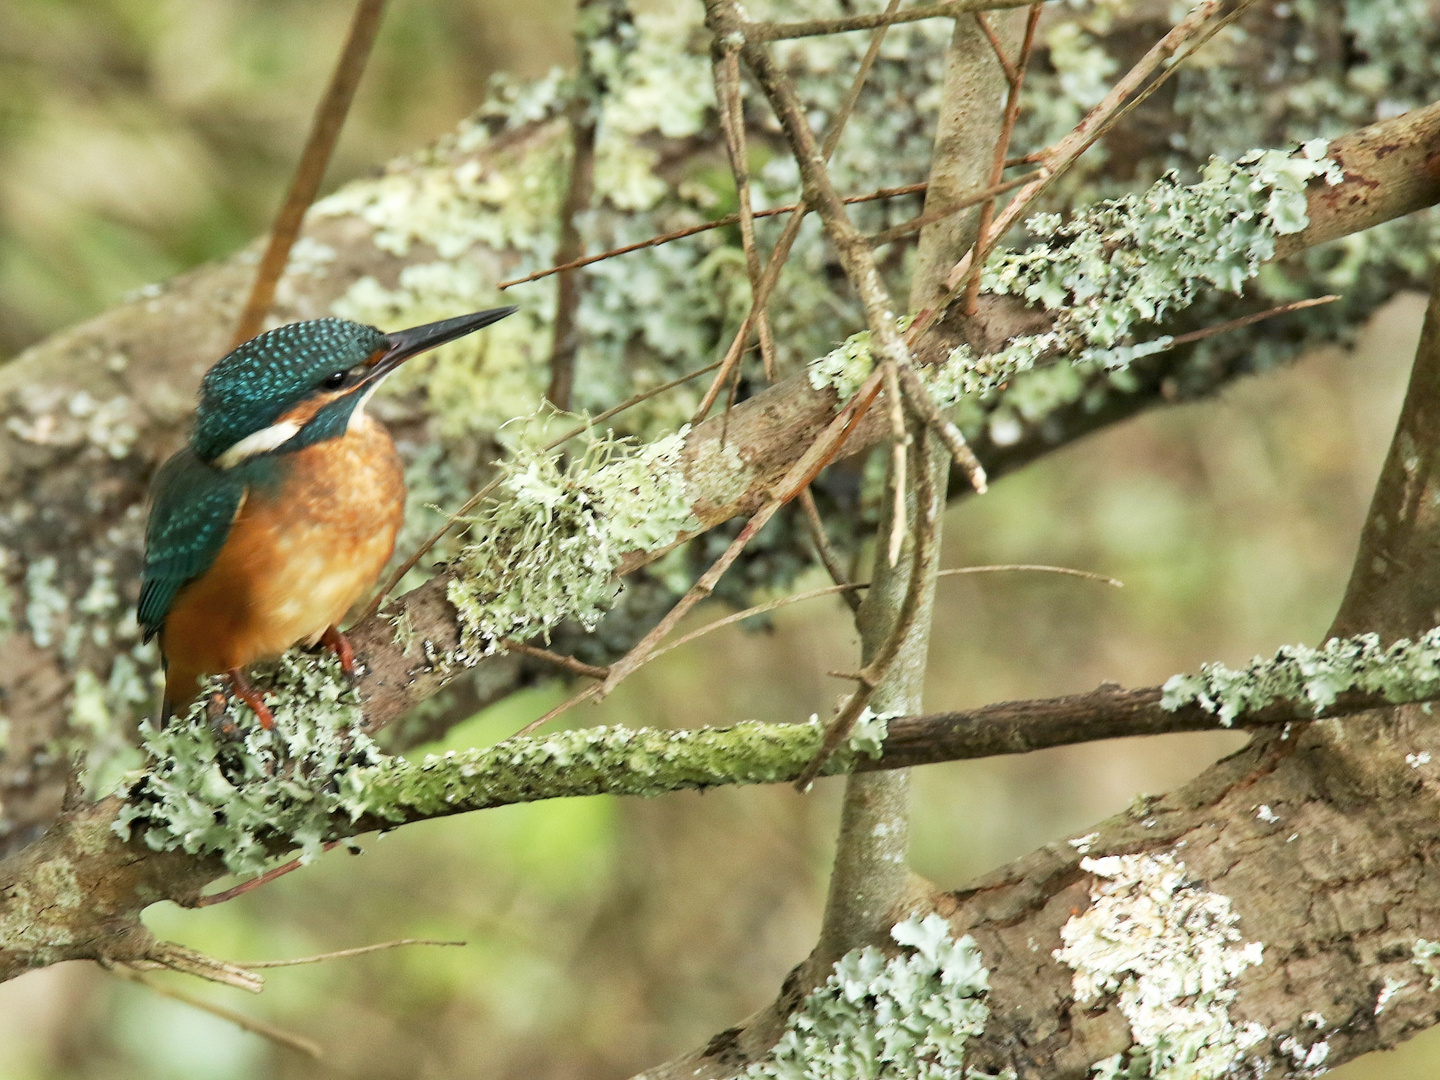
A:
x,y
139,137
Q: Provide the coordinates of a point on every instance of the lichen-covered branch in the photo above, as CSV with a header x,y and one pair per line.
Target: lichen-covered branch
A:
x,y
89,412
714,485
726,467
216,801
1212,871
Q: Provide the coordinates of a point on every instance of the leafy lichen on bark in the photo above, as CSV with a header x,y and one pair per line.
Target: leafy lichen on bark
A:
x,y
1402,672
218,786
225,786
1109,272
549,551
879,1017
1171,953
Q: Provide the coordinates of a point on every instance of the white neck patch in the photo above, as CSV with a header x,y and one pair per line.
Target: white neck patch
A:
x,y
358,417
259,442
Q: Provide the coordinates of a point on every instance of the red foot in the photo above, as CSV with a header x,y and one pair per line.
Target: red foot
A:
x,y
339,644
248,694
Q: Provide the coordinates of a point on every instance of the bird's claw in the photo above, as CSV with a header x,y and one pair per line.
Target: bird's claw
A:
x,y
339,644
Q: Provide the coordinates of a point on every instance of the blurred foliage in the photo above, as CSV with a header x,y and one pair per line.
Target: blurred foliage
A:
x,y
138,138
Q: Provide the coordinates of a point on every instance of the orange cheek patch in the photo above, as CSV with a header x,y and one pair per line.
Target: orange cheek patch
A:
x,y
304,412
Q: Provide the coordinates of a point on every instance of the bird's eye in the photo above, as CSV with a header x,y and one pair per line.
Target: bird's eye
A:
x,y
335,381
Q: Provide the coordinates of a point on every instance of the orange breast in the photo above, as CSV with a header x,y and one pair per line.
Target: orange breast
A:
x,y
296,560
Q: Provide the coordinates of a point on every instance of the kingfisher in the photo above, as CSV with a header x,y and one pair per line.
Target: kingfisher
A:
x,y
283,508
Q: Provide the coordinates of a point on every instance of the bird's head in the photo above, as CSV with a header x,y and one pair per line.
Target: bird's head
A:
x,y
303,383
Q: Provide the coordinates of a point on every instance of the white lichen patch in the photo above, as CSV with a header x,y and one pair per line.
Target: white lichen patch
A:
x,y
36,913
1307,1054
1169,950
1423,955
65,417
1388,992
878,1017
550,549
245,793
1405,671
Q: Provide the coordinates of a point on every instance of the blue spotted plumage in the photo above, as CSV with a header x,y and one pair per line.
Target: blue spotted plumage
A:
x,y
260,380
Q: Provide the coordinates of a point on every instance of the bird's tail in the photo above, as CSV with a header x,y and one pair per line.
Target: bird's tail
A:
x,y
181,688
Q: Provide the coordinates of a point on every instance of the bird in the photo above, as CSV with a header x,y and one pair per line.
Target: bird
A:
x,y
283,507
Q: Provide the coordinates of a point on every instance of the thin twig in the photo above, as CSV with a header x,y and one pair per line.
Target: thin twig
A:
x,y
571,286
954,440
760,294
851,589
1165,74
730,101
565,706
341,954
277,1035
823,549
919,221
324,132
568,663
173,956
1015,77
1012,76
697,592
1248,320
900,441
254,883
718,223
765,31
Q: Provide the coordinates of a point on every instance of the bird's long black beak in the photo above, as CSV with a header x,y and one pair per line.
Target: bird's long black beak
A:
x,y
403,344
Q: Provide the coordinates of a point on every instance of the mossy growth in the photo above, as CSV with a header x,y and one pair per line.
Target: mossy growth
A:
x,y
549,549
609,761
1405,671
879,1017
222,785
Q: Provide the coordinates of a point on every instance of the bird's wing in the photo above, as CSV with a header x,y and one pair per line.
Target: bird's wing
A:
x,y
193,506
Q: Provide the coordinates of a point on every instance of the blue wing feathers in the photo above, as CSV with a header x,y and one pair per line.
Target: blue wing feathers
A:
x,y
193,506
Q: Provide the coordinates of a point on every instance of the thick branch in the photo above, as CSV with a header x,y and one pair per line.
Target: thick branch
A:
x,y
770,432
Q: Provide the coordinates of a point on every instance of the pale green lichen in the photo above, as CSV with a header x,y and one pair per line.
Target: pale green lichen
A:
x,y
35,918
243,792
1169,951
606,760
879,1017
1402,672
1116,268
549,551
